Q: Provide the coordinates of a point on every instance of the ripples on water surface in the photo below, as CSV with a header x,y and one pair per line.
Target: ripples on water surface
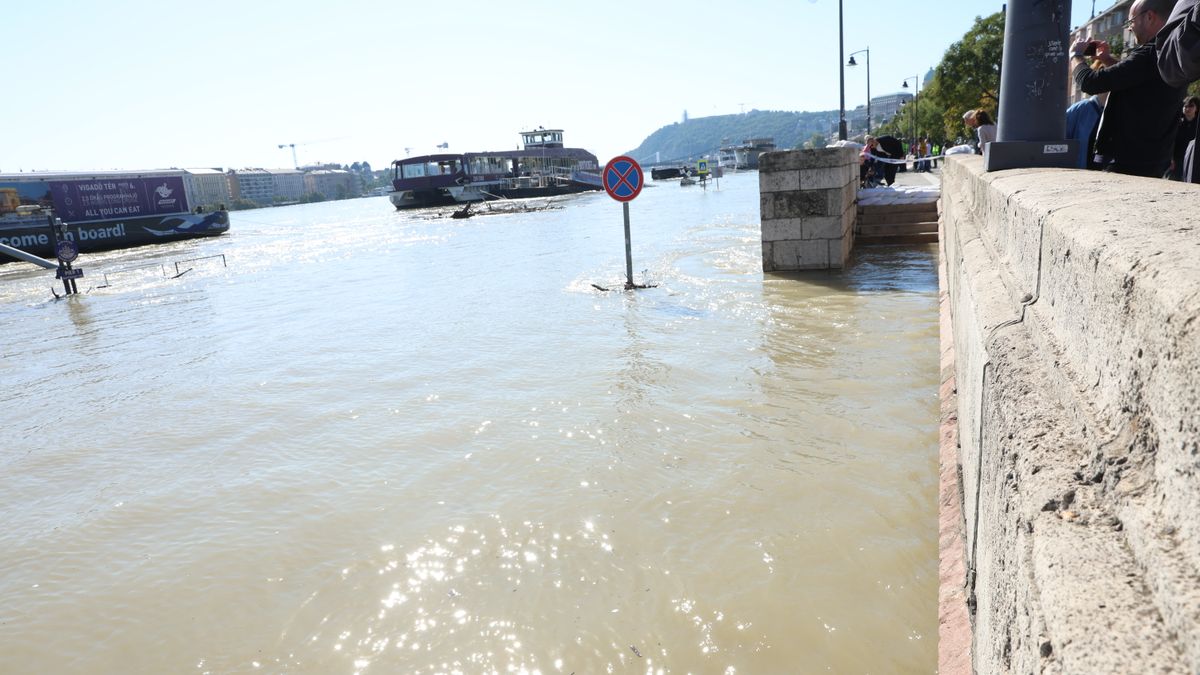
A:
x,y
379,442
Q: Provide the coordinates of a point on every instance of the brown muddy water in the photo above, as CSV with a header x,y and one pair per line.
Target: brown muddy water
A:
x,y
380,442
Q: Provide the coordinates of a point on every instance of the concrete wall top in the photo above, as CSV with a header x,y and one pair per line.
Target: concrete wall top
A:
x,y
790,160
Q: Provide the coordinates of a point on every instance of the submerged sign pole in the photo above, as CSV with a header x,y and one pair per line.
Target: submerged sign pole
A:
x,y
66,251
623,180
628,249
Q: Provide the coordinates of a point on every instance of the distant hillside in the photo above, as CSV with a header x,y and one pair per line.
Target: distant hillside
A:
x,y
703,135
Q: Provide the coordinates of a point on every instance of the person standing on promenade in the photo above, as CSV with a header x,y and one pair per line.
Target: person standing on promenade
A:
x,y
1082,120
1184,135
868,166
890,147
1137,129
983,125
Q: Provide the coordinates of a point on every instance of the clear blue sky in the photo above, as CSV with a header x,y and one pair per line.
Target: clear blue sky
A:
x,y
148,84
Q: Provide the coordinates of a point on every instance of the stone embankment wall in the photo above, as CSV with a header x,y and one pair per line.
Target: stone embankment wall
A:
x,y
807,200
1076,315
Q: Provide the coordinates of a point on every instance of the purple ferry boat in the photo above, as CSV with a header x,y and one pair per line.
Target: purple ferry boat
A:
x,y
103,210
543,168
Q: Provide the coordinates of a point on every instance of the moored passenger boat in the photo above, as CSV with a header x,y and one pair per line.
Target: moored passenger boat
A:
x,y
103,210
744,155
543,168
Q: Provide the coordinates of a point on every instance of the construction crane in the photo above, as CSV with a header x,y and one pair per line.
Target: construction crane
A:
x,y
295,162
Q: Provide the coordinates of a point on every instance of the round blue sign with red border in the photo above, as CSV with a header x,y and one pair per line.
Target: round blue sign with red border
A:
x,y
623,178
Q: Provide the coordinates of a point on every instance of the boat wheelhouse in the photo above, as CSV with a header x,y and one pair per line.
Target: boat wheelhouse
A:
x,y
542,168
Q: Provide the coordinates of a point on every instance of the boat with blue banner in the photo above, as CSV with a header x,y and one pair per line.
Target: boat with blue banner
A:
x,y
542,168
103,210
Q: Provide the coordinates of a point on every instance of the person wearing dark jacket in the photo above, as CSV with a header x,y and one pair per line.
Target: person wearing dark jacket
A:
x,y
891,148
1137,130
1179,45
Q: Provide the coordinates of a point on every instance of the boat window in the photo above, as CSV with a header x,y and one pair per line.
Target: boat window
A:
x,y
490,166
24,193
412,170
445,167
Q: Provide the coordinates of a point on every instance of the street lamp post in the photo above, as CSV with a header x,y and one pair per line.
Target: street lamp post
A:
x,y
1032,129
916,102
841,77
866,51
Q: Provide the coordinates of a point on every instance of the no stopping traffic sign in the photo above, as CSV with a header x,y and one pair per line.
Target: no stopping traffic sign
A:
x,y
623,178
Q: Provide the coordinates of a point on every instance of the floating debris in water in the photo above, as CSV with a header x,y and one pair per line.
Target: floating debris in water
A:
x,y
473,209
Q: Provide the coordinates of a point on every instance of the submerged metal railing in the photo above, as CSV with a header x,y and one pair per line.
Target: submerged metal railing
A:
x,y
160,266
207,257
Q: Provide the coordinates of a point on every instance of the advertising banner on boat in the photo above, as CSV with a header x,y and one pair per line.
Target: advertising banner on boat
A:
x,y
109,198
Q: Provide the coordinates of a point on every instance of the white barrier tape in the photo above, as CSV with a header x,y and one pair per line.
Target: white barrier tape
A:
x,y
887,160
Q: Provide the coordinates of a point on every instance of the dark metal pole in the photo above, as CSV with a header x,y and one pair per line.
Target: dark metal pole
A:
x,y
916,102
628,250
841,77
58,231
853,63
868,51
1033,92
916,108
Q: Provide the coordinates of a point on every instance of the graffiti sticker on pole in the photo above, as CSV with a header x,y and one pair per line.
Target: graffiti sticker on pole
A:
x,y
623,178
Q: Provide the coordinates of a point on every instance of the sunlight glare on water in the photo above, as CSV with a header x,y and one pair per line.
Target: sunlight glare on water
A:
x,y
393,442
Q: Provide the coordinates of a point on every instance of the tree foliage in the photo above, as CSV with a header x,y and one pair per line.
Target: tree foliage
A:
x,y
968,78
969,73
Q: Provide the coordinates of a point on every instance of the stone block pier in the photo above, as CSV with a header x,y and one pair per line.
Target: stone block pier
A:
x,y
807,202
813,213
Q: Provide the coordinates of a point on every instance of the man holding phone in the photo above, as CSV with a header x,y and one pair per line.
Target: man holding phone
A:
x,y
1137,129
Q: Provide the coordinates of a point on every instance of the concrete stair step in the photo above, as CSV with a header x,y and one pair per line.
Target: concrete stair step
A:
x,y
887,217
896,239
898,207
887,229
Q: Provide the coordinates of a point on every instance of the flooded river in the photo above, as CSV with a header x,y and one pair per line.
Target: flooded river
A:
x,y
366,441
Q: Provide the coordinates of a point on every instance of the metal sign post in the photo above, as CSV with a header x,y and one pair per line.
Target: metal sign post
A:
x,y
628,249
66,251
623,181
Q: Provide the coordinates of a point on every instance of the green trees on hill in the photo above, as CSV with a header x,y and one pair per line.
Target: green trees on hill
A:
x,y
703,135
967,78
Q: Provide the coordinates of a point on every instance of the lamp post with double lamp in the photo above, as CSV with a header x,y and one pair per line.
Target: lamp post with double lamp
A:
x,y
852,62
916,103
